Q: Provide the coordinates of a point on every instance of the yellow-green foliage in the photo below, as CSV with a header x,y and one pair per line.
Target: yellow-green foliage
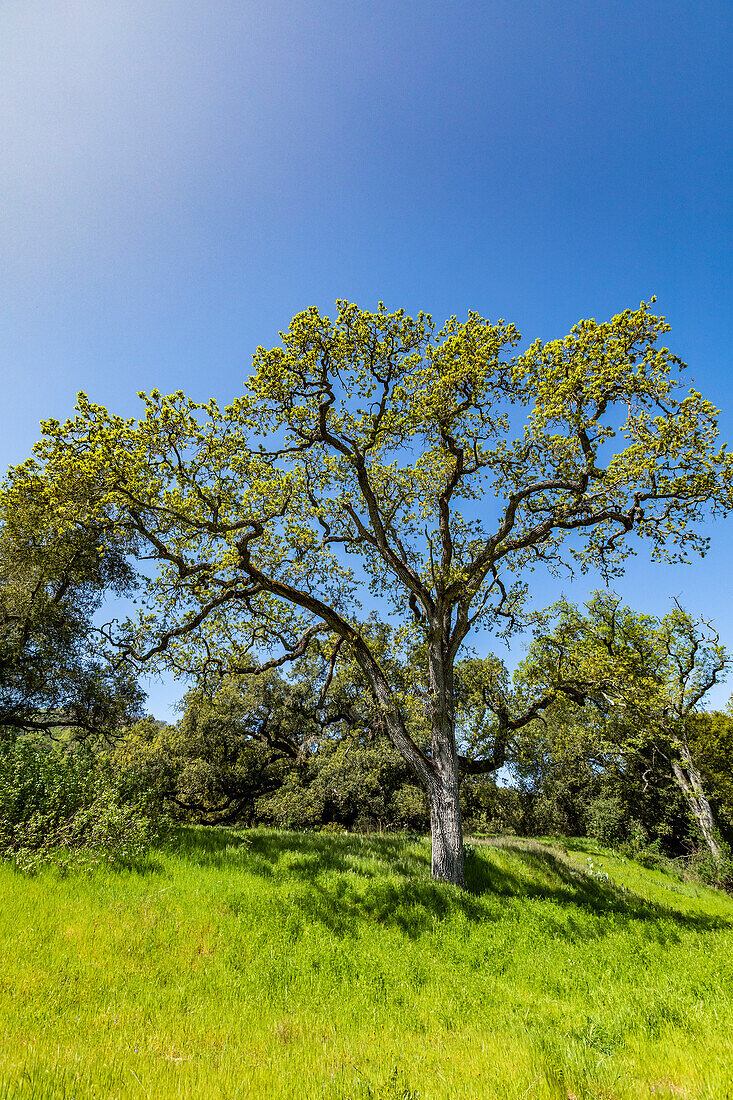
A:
x,y
438,461
272,964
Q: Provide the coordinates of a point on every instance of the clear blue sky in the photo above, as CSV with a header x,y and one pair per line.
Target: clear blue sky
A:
x,y
178,179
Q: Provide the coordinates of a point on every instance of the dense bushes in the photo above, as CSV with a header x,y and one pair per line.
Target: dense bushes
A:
x,y
362,786
222,763
208,774
63,805
489,809
71,806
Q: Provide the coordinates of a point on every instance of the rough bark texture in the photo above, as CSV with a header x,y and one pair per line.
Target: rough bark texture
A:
x,y
438,772
443,790
447,830
689,780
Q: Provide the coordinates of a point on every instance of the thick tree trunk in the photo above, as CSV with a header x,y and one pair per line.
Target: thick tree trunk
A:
x,y
438,771
439,779
689,780
443,791
446,830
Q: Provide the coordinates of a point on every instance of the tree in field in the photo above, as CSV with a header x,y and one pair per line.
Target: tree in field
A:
x,y
648,676
429,472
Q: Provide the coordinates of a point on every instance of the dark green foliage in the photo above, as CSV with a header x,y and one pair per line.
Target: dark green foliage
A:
x,y
579,778
53,669
359,785
253,754
202,773
205,773
607,820
244,741
272,750
493,810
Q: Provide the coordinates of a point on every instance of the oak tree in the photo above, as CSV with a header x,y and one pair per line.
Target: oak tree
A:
x,y
373,457
54,677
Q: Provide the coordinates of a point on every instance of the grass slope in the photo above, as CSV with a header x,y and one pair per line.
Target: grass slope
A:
x,y
281,965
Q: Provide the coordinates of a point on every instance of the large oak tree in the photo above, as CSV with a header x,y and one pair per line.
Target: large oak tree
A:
x,y
426,471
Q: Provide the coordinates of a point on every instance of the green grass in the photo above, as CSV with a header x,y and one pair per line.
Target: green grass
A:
x,y
292,966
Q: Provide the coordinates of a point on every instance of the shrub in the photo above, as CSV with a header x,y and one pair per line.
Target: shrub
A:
x,y
701,865
61,805
607,820
489,809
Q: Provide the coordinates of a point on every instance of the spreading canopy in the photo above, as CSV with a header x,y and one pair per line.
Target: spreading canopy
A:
x,y
433,469
446,467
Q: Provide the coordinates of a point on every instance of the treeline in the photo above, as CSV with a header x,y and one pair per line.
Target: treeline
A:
x,y
219,765
270,750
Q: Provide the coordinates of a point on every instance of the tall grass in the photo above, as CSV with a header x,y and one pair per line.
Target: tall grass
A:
x,y
270,964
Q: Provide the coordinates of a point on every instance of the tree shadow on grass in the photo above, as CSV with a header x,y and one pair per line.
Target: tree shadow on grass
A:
x,y
342,882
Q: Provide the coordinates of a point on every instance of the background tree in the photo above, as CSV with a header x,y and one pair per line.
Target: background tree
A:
x,y
579,772
240,740
647,676
354,784
432,469
54,676
276,750
710,737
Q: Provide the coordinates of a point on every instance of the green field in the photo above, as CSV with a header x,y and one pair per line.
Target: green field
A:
x,y
268,964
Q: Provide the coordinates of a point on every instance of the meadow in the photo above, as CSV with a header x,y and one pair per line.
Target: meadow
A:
x,y
271,964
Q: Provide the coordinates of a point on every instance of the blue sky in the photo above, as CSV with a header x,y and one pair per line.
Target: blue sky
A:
x,y
179,179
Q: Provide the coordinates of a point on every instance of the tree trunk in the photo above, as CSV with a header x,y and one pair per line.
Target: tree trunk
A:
x,y
443,791
446,829
689,780
438,773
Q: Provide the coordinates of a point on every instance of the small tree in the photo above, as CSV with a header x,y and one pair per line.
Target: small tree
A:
x,y
371,453
648,675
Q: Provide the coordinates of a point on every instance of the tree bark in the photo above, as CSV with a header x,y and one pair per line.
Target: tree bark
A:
x,y
689,780
438,777
438,771
446,829
443,790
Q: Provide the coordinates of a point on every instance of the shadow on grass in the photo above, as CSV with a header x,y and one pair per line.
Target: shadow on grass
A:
x,y
343,881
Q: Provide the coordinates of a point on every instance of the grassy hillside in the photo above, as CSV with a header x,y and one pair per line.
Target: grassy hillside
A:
x,y
281,965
